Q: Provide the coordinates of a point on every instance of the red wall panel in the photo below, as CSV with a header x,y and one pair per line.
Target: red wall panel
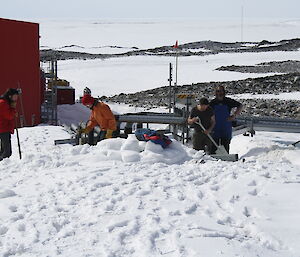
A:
x,y
20,65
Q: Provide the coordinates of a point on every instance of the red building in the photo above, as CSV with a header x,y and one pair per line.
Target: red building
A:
x,y
20,67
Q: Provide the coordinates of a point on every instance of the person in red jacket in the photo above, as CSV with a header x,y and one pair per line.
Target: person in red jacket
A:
x,y
8,102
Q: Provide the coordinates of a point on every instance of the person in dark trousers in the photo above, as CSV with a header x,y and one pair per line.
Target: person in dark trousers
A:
x,y
8,102
222,107
202,113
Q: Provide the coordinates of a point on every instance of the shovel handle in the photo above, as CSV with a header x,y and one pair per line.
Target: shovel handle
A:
x,y
209,136
18,138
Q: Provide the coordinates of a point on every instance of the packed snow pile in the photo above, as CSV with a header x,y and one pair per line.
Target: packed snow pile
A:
x,y
129,198
131,150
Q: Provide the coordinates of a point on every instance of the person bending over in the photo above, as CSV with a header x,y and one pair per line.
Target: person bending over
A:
x,y
202,113
102,116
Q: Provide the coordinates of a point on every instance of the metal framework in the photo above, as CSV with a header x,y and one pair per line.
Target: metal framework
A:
x,y
49,107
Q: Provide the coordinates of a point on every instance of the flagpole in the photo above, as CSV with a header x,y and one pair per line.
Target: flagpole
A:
x,y
176,72
176,66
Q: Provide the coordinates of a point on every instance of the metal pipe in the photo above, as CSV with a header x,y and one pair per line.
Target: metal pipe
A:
x,y
157,119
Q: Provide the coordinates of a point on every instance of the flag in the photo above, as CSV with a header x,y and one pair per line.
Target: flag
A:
x,y
176,44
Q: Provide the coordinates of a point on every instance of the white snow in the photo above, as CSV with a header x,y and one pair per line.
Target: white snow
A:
x,y
281,96
137,73
129,198
150,33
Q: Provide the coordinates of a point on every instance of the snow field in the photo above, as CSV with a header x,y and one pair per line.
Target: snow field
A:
x,y
95,36
135,73
130,198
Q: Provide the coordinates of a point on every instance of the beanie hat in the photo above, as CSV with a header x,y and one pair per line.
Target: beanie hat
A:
x,y
87,99
87,91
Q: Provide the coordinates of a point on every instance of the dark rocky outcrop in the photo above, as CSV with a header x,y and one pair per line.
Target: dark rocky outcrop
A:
x,y
201,48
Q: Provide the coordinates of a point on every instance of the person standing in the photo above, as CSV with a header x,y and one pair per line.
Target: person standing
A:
x,y
202,113
8,103
222,107
102,116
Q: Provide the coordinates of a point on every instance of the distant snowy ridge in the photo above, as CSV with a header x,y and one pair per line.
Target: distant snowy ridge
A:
x,y
200,48
108,49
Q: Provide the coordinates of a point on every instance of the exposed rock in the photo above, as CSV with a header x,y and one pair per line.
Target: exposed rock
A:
x,y
269,67
258,107
200,48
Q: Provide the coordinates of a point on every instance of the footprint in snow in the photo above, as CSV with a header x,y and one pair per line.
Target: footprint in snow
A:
x,y
175,213
225,220
234,198
200,195
7,193
252,183
246,212
215,187
191,209
181,196
117,225
266,175
143,193
22,227
3,230
253,192
13,208
18,217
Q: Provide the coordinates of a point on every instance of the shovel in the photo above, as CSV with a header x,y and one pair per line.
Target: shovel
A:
x,y
221,152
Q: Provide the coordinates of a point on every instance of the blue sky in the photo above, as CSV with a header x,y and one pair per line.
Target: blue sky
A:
x,y
149,9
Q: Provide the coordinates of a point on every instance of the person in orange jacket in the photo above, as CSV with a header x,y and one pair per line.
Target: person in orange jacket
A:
x,y
8,102
102,116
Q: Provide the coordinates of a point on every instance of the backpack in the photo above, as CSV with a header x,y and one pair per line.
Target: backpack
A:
x,y
153,136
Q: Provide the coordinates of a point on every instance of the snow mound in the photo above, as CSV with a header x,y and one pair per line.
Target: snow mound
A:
x,y
132,150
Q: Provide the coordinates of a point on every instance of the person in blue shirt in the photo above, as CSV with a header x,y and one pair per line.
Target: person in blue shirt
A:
x,y
222,107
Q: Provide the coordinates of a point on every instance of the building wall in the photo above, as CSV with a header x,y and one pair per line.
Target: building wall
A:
x,y
20,65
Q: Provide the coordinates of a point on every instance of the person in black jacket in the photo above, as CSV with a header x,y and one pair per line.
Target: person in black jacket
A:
x,y
202,113
222,107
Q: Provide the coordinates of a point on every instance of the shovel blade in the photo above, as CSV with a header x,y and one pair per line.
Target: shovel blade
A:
x,y
221,150
226,157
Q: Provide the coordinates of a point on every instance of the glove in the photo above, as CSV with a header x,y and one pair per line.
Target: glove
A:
x,y
109,133
84,131
13,105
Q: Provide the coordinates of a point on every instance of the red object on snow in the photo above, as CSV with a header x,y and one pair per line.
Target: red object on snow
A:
x,y
176,44
20,66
